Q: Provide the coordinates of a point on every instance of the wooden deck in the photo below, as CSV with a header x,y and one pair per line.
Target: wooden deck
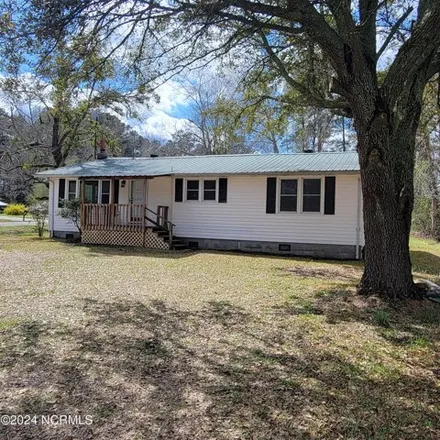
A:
x,y
126,225
113,217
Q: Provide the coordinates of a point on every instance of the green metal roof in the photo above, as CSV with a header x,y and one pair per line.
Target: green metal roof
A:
x,y
213,165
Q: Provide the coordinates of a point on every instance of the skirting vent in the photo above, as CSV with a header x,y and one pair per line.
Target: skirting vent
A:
x,y
284,247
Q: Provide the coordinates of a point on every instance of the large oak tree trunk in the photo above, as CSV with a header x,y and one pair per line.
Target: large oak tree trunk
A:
x,y
386,155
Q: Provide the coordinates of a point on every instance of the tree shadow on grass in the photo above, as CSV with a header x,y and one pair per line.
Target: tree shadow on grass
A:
x,y
337,303
414,324
158,372
117,251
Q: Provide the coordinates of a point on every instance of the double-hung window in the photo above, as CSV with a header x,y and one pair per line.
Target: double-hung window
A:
x,y
105,191
289,195
71,190
209,189
311,195
192,190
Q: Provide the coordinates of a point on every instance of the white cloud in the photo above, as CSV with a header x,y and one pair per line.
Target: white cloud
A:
x,y
158,125
151,120
154,120
171,95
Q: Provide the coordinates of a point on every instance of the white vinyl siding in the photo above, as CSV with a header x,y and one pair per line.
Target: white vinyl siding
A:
x,y
160,193
56,223
244,217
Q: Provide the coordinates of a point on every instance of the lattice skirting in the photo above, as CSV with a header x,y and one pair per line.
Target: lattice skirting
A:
x,y
125,238
152,241
115,238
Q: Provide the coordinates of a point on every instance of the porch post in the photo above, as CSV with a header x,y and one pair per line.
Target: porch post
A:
x,y
112,209
81,198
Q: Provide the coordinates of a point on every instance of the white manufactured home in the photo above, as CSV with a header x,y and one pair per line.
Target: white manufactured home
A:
x,y
305,204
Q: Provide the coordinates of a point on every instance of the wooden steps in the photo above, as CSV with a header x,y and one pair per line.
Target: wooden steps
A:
x,y
177,243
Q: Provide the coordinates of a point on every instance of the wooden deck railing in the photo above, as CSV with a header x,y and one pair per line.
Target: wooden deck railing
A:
x,y
112,217
161,222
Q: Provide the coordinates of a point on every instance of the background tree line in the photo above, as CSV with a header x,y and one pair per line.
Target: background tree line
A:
x,y
48,127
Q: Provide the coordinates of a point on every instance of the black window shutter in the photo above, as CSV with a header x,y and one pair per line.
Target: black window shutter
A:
x,y
178,190
61,192
271,195
116,191
222,190
329,198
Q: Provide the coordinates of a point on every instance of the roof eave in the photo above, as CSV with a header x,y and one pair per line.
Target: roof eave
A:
x,y
152,176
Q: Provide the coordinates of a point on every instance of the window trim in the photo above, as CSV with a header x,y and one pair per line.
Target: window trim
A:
x,y
214,179
278,195
99,202
201,181
321,195
186,190
67,192
85,182
300,194
109,191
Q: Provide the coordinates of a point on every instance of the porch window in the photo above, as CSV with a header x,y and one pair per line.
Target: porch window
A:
x,y
71,194
209,189
105,192
311,195
192,190
91,191
289,195
61,192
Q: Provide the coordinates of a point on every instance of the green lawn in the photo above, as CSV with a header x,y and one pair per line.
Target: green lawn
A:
x,y
206,345
11,218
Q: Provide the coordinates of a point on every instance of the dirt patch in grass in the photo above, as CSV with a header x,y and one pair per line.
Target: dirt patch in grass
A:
x,y
209,346
334,271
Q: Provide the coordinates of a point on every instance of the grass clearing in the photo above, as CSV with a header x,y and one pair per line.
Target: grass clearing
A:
x,y
210,345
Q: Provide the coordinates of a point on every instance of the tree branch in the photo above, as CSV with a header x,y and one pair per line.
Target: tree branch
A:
x,y
416,54
393,32
313,99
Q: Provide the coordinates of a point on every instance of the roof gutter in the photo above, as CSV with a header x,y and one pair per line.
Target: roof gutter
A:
x,y
260,173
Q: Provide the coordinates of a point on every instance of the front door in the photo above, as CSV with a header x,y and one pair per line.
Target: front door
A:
x,y
137,197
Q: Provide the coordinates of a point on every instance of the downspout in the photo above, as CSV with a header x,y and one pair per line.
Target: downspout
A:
x,y
52,214
358,218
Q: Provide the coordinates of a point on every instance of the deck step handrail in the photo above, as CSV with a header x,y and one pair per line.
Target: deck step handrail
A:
x,y
169,225
160,216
